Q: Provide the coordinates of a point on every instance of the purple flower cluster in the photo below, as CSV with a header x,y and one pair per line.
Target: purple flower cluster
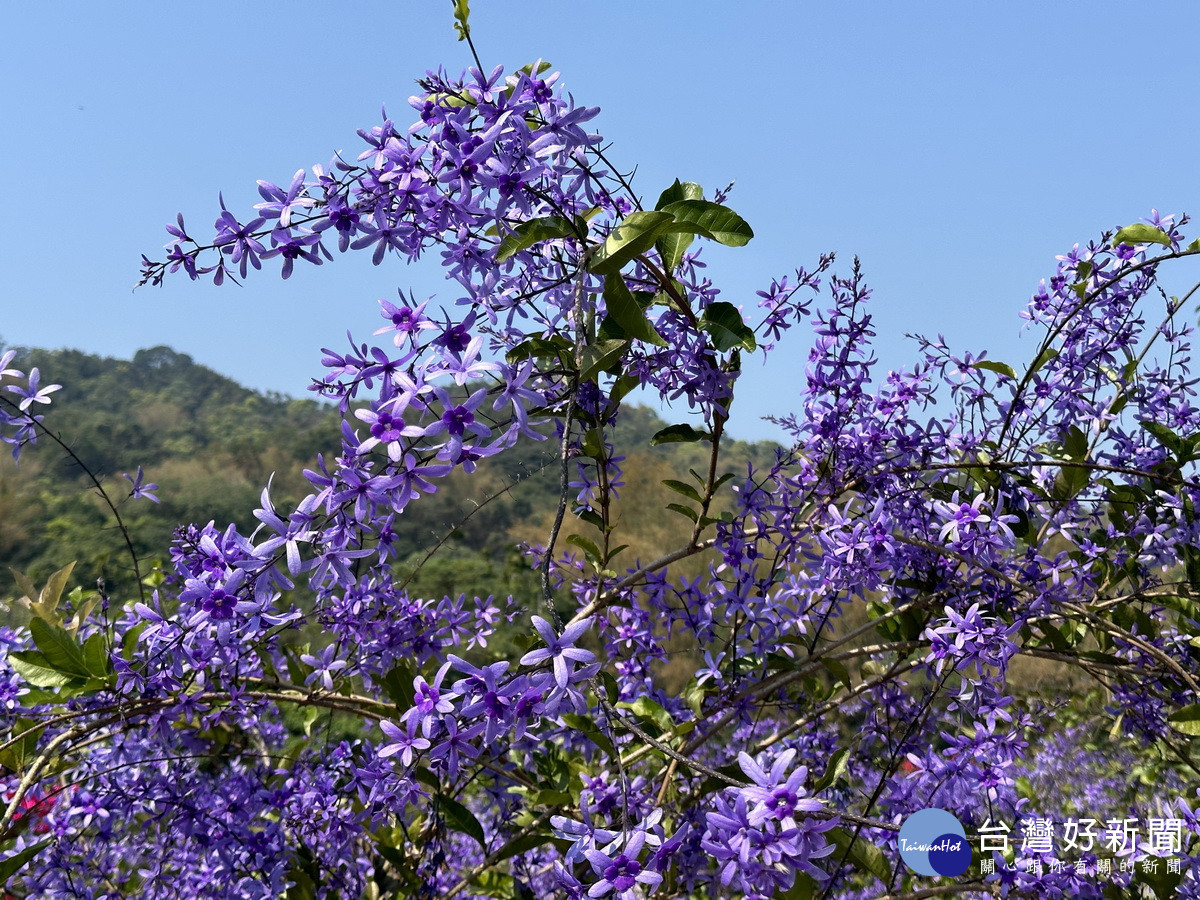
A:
x,y
18,394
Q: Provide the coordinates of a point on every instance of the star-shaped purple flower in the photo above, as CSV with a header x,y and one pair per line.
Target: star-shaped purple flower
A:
x,y
559,649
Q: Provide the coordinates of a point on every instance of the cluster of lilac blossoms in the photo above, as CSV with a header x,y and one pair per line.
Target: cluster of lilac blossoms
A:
x,y
862,604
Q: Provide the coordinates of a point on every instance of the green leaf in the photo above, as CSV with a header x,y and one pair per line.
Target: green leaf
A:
x,y
25,585
539,348
866,855
11,865
711,220
1075,444
838,670
724,325
1141,233
600,357
684,511
520,845
609,683
1164,436
426,777
95,656
646,708
633,236
55,584
43,603
680,190
682,487
499,886
531,232
992,366
1186,720
398,685
672,246
679,434
590,516
297,671
308,719
592,445
1070,481
302,886
721,481
553,768
694,697
622,387
82,604
23,743
590,550
833,771
589,727
626,312
129,642
34,668
1164,884
58,647
551,798
542,66
461,819
1042,358
805,887
462,12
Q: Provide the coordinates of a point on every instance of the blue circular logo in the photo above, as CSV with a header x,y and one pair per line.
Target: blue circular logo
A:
x,y
933,842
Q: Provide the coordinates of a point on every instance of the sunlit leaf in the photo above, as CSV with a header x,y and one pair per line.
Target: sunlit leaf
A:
x,y
531,232
627,313
462,15
634,235
58,647
1186,720
724,325
1141,233
711,220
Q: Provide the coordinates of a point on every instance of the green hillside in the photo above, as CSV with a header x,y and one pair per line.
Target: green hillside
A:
x,y
212,444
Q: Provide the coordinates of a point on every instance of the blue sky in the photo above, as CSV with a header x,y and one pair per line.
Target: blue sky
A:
x,y
955,147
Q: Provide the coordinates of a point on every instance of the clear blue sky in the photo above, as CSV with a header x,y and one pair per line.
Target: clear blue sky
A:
x,y
955,147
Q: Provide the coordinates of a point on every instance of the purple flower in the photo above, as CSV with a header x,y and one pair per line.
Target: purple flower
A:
x,y
405,741
280,203
621,874
585,835
293,245
455,742
239,240
430,701
141,491
457,420
406,321
559,649
33,393
774,797
325,666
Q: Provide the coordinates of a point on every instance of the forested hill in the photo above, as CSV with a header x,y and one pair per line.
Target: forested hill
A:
x,y
212,444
